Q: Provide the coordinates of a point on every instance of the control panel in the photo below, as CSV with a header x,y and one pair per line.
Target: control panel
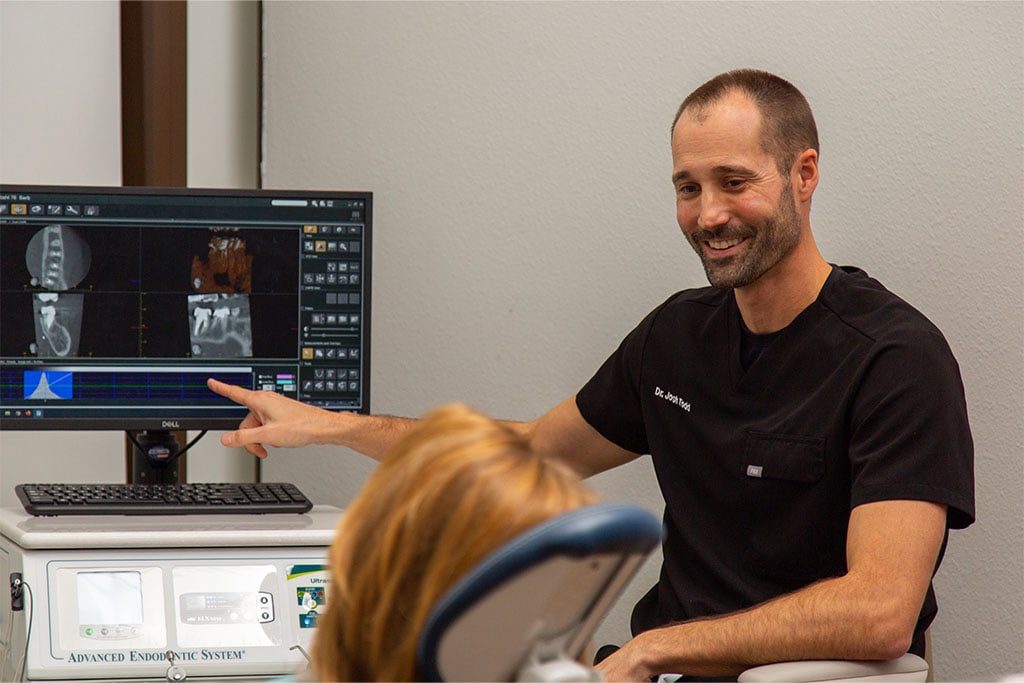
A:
x,y
160,598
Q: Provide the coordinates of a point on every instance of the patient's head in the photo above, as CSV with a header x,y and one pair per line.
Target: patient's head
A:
x,y
454,489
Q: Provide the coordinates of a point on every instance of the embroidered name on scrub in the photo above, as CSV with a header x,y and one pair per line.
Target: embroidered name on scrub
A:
x,y
671,398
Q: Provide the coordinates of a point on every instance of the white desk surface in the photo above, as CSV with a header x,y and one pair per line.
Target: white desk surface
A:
x,y
314,528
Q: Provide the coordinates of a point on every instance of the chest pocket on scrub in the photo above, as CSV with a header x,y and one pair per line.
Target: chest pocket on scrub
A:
x,y
783,456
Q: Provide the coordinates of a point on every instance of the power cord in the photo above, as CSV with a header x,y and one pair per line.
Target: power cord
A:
x,y
17,592
18,588
17,604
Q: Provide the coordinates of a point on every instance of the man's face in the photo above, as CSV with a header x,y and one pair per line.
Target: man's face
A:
x,y
732,203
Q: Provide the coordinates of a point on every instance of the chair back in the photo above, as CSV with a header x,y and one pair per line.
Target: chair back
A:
x,y
538,599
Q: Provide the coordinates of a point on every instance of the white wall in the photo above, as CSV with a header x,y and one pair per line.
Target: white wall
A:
x,y
519,156
60,123
223,93
525,220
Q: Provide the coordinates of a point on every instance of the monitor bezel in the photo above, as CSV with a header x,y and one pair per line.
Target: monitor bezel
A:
x,y
232,414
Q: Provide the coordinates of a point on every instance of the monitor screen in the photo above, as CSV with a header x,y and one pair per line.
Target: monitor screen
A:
x,y
116,304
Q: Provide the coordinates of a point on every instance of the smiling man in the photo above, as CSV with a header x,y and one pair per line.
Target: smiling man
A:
x,y
825,449
808,428
743,192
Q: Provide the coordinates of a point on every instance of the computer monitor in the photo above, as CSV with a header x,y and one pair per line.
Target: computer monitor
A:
x,y
116,304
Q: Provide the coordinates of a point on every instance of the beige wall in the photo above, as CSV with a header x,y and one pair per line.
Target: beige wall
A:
x,y
519,156
60,124
525,219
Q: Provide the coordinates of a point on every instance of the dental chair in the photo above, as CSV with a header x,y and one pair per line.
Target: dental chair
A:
x,y
528,611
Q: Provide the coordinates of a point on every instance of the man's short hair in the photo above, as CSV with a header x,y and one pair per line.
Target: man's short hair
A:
x,y
788,126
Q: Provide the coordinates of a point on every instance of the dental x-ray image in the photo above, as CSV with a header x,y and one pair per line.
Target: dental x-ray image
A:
x,y
58,259
220,319
221,325
58,323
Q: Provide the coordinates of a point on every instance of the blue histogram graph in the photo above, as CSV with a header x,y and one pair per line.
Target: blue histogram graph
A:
x,y
47,384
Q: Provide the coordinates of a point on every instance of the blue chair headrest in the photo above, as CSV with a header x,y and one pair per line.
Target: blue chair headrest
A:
x,y
585,557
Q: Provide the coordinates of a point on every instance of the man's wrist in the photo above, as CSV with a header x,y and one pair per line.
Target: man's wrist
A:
x,y
653,652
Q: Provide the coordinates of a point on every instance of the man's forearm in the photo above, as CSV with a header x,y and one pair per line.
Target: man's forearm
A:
x,y
376,435
561,434
372,435
869,613
808,624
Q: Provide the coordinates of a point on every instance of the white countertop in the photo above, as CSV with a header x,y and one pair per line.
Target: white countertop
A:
x,y
314,528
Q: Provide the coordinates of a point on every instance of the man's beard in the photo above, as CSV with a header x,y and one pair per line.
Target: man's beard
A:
x,y
767,244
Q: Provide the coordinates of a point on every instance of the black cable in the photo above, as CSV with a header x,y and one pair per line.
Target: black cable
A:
x,y
28,632
189,445
131,437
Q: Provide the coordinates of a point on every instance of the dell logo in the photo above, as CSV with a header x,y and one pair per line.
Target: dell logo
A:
x,y
170,424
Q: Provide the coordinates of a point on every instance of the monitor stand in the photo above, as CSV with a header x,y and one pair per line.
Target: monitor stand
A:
x,y
153,457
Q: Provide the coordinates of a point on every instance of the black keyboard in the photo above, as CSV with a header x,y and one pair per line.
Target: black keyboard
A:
x,y
161,499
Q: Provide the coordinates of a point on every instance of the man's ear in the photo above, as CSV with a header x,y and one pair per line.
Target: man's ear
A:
x,y
805,174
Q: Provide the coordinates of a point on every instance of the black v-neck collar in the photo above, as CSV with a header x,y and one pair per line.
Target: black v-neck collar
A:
x,y
753,345
762,373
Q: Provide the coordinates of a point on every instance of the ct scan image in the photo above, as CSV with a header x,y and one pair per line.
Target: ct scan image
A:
x,y
58,259
221,325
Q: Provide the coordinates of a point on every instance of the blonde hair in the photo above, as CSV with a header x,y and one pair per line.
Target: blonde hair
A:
x,y
455,488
